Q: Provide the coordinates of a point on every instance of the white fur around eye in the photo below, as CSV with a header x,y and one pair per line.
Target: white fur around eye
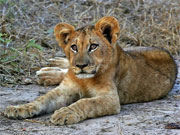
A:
x,y
92,50
74,50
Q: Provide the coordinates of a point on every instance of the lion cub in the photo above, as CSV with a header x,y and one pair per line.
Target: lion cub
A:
x,y
100,77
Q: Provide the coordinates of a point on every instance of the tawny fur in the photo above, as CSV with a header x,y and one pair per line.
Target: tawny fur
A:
x,y
118,76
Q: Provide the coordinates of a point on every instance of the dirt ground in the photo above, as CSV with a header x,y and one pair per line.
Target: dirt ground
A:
x,y
26,29
134,119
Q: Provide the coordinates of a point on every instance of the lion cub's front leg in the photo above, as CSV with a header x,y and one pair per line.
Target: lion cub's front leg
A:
x,y
40,105
53,100
106,104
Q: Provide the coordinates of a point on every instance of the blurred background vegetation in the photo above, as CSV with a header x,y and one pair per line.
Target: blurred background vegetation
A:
x,y
26,29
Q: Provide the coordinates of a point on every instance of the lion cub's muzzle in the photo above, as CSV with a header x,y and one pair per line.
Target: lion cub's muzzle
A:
x,y
84,71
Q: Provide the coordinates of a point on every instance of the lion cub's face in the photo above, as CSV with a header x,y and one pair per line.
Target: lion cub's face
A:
x,y
86,53
89,49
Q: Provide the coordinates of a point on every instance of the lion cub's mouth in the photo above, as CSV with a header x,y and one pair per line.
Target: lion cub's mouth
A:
x,y
87,72
84,75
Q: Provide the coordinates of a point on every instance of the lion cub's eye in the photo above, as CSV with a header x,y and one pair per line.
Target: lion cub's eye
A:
x,y
74,48
93,47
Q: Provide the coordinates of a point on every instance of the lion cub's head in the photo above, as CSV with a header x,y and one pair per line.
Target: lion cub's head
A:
x,y
90,49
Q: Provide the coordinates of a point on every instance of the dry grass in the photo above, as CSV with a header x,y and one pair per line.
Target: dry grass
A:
x,y
26,29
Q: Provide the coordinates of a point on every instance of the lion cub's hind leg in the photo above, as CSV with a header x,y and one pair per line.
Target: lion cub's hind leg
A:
x,y
59,62
50,75
53,75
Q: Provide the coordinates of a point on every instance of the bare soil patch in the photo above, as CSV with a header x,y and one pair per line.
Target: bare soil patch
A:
x,y
26,29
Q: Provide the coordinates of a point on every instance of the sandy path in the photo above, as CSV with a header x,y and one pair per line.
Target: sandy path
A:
x,y
135,119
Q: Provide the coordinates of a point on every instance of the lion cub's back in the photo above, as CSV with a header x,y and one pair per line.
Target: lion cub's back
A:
x,y
154,75
156,58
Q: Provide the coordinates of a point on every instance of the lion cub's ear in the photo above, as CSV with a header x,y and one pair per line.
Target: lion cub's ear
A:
x,y
63,31
109,27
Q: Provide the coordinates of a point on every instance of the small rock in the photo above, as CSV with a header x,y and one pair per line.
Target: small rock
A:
x,y
173,126
27,81
176,96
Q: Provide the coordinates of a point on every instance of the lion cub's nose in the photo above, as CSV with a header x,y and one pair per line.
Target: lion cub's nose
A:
x,y
81,66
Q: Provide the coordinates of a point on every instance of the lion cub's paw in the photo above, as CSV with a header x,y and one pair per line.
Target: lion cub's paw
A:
x,y
59,62
20,112
50,75
64,116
